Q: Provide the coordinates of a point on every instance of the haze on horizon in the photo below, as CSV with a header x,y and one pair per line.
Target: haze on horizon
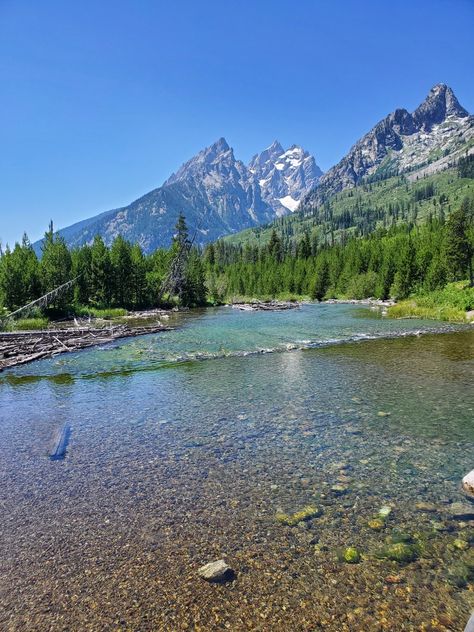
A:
x,y
102,103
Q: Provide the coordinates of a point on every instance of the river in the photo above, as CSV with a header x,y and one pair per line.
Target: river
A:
x,y
185,445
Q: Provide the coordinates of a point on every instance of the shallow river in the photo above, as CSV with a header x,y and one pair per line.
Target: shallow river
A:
x,y
185,445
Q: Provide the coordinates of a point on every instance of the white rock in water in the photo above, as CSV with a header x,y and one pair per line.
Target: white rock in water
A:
x,y
468,483
217,571
385,511
470,624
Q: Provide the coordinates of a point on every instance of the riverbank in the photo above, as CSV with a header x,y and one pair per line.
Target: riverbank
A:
x,y
21,347
454,303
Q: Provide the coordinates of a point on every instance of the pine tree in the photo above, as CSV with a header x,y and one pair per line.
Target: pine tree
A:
x,y
122,272
55,267
100,274
139,284
459,248
321,280
275,248
179,260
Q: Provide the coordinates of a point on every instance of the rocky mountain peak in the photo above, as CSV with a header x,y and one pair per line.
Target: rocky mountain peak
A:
x,y
267,156
440,103
204,162
401,142
220,145
284,176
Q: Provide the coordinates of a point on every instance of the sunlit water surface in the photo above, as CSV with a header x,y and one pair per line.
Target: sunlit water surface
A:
x,y
185,445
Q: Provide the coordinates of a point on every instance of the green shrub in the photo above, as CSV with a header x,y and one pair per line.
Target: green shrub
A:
x,y
95,312
26,324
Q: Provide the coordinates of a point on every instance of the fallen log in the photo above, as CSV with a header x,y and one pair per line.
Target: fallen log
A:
x,y
261,306
22,347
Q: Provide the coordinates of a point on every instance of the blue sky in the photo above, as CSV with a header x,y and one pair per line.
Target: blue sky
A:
x,y
101,101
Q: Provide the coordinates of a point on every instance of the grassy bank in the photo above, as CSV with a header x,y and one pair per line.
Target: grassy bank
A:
x,y
107,313
453,303
24,324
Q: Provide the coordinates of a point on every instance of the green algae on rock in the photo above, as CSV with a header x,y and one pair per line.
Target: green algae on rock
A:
x,y
351,555
400,552
377,524
307,513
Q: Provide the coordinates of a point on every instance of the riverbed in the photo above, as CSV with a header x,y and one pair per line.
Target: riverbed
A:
x,y
185,445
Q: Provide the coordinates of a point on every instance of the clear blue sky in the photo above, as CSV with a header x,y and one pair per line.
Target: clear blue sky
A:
x,y
102,100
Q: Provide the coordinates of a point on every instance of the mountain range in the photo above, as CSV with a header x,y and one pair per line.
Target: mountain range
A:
x,y
217,194
220,195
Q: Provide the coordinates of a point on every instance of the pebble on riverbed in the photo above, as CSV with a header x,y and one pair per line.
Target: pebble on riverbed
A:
x,y
217,572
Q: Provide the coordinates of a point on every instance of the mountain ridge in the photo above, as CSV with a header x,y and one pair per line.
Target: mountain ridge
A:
x,y
220,195
217,193
400,142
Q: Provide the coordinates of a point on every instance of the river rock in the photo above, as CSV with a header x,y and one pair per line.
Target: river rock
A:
x,y
470,624
217,571
468,483
461,511
426,507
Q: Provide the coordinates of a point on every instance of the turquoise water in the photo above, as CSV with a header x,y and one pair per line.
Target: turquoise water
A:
x,y
224,332
185,445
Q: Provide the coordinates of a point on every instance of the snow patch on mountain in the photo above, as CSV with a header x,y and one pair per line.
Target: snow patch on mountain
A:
x,y
289,203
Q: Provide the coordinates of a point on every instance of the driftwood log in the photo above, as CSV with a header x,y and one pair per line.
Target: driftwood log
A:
x,y
20,347
262,306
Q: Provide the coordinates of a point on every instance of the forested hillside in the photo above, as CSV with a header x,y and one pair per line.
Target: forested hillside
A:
x,y
380,202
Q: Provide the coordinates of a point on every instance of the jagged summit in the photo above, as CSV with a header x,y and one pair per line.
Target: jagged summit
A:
x,y
203,161
220,145
268,154
440,104
436,131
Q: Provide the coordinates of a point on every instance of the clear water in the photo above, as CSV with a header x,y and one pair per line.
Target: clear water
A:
x,y
184,446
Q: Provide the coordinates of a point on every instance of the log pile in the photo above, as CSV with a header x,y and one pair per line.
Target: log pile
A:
x,y
262,306
20,347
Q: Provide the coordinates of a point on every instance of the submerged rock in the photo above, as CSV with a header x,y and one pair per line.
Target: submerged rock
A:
x,y
217,571
400,552
377,524
462,511
460,544
351,555
339,490
385,511
458,575
291,520
426,507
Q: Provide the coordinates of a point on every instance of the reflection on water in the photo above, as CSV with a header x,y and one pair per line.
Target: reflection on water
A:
x,y
168,469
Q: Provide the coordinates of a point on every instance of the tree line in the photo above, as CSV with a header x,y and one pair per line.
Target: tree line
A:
x,y
116,276
389,262
394,261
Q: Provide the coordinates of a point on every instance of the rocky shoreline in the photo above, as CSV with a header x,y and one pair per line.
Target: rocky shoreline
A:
x,y
376,302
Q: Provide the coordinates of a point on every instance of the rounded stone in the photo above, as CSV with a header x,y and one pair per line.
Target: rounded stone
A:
x,y
217,571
